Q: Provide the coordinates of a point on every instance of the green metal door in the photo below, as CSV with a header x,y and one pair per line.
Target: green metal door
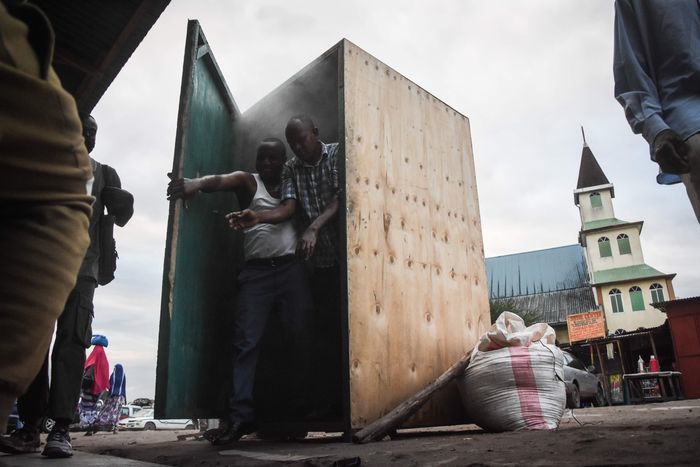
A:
x,y
201,253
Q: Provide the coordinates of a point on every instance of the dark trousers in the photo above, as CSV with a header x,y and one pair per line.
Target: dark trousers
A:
x,y
325,287
73,335
262,290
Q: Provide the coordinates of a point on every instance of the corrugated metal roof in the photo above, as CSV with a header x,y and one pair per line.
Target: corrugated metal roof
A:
x,y
94,39
534,272
638,271
662,305
554,307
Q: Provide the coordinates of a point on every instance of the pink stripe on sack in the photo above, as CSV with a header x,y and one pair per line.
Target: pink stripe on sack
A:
x,y
527,387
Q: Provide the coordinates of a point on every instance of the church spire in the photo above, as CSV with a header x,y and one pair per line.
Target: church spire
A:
x,y
589,173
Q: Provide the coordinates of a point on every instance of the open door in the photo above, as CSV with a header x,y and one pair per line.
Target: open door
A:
x,y
194,351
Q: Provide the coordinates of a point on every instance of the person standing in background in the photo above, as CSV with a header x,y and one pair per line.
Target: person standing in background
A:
x,y
74,327
95,381
109,414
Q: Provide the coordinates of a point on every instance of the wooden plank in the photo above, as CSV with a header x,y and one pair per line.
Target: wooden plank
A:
x,y
380,428
417,293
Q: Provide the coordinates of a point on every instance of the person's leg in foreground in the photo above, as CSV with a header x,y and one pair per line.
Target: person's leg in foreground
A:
x,y
44,207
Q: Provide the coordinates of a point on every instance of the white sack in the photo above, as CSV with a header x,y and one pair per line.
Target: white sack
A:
x,y
515,378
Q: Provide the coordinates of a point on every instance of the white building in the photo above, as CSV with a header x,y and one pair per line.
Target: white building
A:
x,y
624,285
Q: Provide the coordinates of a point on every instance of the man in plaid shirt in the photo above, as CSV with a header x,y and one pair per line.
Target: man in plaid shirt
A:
x,y
310,190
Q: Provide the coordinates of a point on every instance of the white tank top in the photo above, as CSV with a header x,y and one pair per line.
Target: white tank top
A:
x,y
268,240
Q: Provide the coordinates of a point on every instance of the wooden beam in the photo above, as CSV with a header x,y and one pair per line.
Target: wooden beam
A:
x,y
390,422
606,382
85,94
622,359
63,58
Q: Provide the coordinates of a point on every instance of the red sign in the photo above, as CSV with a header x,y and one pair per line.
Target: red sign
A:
x,y
583,326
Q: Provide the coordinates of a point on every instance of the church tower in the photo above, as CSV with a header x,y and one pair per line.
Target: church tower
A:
x,y
624,284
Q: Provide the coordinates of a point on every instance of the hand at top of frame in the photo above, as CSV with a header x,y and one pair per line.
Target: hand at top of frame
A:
x,y
671,152
240,220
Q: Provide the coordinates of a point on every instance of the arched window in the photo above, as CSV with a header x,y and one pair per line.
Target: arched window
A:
x,y
657,293
596,202
623,244
616,300
604,247
637,298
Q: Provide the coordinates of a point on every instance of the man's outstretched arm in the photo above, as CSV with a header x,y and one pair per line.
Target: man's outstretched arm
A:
x,y
186,188
247,218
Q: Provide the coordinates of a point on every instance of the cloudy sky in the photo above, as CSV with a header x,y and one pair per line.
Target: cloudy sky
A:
x,y
528,74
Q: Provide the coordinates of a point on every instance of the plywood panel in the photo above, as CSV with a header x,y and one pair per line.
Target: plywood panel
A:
x,y
417,293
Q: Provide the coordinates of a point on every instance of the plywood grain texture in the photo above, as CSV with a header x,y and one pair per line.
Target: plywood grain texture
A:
x,y
417,289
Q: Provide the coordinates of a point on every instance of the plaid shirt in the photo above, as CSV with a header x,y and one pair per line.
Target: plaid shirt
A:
x,y
314,186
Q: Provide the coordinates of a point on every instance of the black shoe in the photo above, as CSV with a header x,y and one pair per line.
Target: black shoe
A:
x,y
58,443
21,441
233,433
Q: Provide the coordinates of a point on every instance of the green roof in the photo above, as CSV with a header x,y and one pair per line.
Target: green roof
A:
x,y
602,223
638,271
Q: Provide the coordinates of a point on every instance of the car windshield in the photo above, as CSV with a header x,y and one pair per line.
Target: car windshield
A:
x,y
567,357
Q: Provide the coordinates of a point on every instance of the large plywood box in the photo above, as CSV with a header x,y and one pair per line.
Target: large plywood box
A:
x,y
414,290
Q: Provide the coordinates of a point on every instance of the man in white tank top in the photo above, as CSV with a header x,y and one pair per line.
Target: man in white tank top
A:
x,y
272,278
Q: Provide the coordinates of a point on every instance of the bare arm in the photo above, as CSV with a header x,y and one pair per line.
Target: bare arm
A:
x,y
185,188
307,242
240,220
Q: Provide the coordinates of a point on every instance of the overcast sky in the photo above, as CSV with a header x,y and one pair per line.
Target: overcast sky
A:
x,y
528,74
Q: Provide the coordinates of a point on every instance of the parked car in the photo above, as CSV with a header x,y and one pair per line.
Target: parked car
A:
x,y
145,421
143,402
581,383
129,411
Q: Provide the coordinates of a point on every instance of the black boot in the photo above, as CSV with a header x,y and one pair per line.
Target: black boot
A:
x,y
233,433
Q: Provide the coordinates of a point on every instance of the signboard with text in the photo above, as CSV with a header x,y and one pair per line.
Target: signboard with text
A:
x,y
583,326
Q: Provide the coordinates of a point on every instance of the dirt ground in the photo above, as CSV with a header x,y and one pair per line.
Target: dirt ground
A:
x,y
650,434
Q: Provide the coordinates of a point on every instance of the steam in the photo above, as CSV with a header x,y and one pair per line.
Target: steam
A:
x,y
313,92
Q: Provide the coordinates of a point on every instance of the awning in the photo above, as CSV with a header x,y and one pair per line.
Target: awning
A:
x,y
94,39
